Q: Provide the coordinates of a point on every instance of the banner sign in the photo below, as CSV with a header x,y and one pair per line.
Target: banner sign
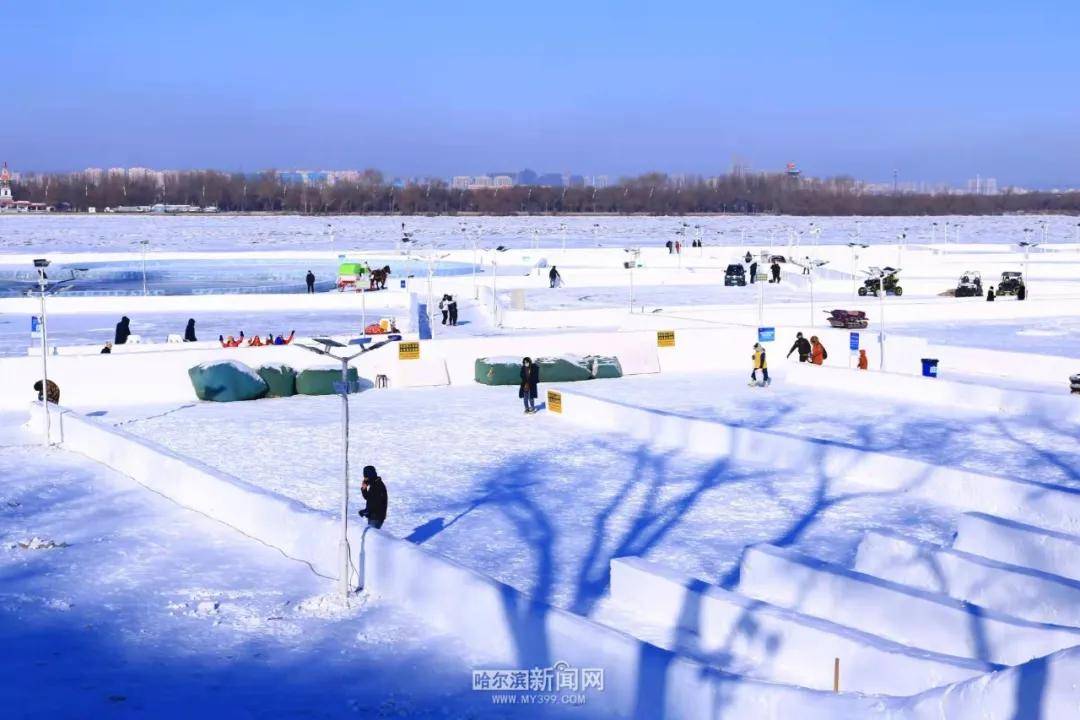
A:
x,y
554,403
408,351
665,338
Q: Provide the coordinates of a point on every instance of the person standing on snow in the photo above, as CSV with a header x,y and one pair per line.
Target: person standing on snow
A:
x,y
818,354
444,308
753,271
310,280
802,345
990,294
123,331
451,307
530,381
760,364
775,272
864,363
670,247
553,277
189,331
374,491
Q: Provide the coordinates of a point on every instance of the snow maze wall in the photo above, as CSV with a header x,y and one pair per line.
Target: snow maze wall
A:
x,y
796,629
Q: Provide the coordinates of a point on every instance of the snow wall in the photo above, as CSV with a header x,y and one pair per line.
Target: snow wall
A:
x,y
787,646
848,468
641,680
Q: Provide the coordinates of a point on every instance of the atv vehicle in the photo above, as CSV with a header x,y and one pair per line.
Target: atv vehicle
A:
x,y
1010,284
848,319
872,285
970,285
734,275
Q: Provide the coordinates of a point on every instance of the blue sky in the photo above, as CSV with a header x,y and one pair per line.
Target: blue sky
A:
x,y
938,90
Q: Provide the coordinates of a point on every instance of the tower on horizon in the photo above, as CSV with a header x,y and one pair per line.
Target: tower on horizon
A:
x,y
6,200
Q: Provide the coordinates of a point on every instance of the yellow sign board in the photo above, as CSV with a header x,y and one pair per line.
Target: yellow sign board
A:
x,y
408,351
665,338
554,403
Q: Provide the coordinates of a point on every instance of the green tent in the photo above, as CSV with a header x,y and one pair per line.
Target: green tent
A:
x,y
320,381
226,381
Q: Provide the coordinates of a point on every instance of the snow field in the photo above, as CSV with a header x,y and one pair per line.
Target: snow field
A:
x,y
146,609
1018,543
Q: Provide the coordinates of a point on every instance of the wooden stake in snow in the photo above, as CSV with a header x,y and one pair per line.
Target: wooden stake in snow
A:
x,y
836,675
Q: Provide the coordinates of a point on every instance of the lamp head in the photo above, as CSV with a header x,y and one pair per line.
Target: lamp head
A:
x,y
41,263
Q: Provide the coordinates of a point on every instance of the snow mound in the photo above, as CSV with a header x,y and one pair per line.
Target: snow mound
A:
x,y
36,543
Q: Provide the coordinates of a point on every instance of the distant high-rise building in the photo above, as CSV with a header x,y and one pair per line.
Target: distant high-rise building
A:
x,y
503,181
979,185
480,182
526,177
600,182
550,180
460,182
575,181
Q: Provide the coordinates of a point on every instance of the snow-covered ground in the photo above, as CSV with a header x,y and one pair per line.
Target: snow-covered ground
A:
x,y
66,233
537,502
145,609
148,604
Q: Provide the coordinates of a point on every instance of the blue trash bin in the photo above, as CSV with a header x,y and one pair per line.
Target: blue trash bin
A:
x,y
929,367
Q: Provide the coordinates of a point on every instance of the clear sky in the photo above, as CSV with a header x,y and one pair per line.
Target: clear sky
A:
x,y
938,90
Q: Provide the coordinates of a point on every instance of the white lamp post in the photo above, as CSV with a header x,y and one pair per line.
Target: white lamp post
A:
x,y
1027,245
813,265
344,558
144,244
41,264
855,246
634,253
881,309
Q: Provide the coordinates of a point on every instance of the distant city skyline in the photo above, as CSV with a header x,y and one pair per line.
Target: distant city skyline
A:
x,y
940,91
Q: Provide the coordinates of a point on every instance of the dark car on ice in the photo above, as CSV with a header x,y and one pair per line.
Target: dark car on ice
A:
x,y
735,275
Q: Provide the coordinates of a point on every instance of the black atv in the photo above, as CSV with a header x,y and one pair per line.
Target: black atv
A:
x,y
970,285
872,285
1010,284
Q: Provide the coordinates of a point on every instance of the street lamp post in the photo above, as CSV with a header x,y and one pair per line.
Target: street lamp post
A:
x,y
854,264
41,264
1027,245
144,244
634,253
881,309
812,266
345,387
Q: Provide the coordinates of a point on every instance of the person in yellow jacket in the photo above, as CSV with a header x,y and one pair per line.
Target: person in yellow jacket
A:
x,y
760,363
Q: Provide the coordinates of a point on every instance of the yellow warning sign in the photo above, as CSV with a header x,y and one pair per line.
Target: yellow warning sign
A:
x,y
665,338
554,403
408,351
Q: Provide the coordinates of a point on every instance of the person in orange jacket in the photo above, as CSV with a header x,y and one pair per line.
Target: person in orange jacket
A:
x,y
818,354
863,362
255,341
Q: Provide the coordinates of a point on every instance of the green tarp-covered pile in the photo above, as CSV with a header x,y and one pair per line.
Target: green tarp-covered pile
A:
x,y
232,381
564,368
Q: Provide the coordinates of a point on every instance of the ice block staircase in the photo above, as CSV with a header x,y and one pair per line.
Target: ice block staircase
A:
x,y
987,627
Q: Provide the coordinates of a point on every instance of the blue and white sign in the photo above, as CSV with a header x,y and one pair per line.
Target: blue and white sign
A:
x,y
35,327
853,343
766,334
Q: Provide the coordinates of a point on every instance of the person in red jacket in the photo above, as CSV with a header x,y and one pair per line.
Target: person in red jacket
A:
x,y
818,354
863,362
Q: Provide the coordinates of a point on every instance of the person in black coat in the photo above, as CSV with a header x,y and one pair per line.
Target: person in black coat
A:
x,y
374,492
451,309
530,381
775,272
123,331
802,345
553,277
189,331
753,272
310,280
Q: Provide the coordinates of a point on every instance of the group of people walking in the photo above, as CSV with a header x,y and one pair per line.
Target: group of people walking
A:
x,y
811,351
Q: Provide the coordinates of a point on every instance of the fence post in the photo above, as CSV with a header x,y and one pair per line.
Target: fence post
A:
x,y
836,675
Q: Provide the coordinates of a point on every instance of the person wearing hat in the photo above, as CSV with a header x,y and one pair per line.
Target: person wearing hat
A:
x,y
760,364
802,345
374,492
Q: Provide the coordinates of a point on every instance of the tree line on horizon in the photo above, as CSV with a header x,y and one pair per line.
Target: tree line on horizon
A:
x,y
651,194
